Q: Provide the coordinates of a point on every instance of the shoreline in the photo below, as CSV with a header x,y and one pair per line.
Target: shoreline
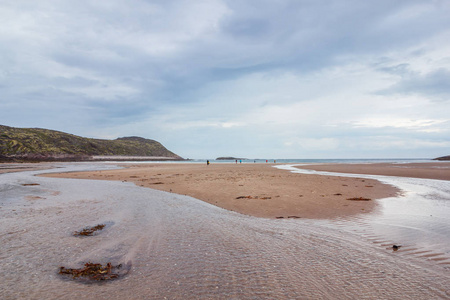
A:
x,y
438,170
21,167
258,190
88,158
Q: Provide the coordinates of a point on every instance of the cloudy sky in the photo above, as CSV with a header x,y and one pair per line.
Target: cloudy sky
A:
x,y
249,78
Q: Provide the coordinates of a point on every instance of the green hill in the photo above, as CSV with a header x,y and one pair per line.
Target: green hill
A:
x,y
42,144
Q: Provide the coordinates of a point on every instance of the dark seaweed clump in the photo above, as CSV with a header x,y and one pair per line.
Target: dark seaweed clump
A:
x,y
92,271
359,199
89,230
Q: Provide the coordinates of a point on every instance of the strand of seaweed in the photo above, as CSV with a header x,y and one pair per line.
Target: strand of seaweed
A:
x,y
359,199
88,231
92,271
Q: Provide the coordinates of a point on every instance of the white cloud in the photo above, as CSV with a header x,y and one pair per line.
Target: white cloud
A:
x,y
312,144
399,123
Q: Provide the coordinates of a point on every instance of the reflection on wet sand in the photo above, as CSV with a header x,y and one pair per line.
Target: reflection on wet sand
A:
x,y
417,219
182,248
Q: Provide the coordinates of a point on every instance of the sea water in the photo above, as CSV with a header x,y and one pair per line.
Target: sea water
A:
x,y
289,161
177,247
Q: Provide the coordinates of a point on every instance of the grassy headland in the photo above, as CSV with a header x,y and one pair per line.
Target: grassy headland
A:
x,y
37,144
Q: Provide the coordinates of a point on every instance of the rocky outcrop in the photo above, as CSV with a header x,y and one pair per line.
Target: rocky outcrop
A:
x,y
443,158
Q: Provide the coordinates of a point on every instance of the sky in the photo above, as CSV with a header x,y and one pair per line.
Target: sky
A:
x,y
249,78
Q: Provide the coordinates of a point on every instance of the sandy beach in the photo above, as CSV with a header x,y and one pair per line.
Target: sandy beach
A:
x,y
177,247
254,189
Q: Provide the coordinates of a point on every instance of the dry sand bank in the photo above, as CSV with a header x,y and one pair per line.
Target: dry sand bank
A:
x,y
438,170
254,189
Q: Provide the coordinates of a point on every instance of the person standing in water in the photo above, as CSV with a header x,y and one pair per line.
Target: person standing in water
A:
x,y
207,162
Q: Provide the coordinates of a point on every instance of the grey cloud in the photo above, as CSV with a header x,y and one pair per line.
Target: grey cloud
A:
x,y
400,69
435,85
305,36
288,35
248,28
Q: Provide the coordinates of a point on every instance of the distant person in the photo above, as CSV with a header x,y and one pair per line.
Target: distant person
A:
x,y
240,161
207,162
274,161
236,161
266,161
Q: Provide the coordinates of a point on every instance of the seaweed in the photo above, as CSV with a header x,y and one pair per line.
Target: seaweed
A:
x,y
359,199
92,271
251,197
88,231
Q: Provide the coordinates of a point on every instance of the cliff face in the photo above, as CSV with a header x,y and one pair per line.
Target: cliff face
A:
x,y
44,144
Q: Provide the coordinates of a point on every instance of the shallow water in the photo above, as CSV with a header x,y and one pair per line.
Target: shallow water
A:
x,y
178,247
418,220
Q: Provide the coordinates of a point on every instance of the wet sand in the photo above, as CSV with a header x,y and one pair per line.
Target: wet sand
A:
x,y
437,170
20,167
254,189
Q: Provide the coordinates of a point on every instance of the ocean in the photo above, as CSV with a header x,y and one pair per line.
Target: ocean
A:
x,y
296,161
